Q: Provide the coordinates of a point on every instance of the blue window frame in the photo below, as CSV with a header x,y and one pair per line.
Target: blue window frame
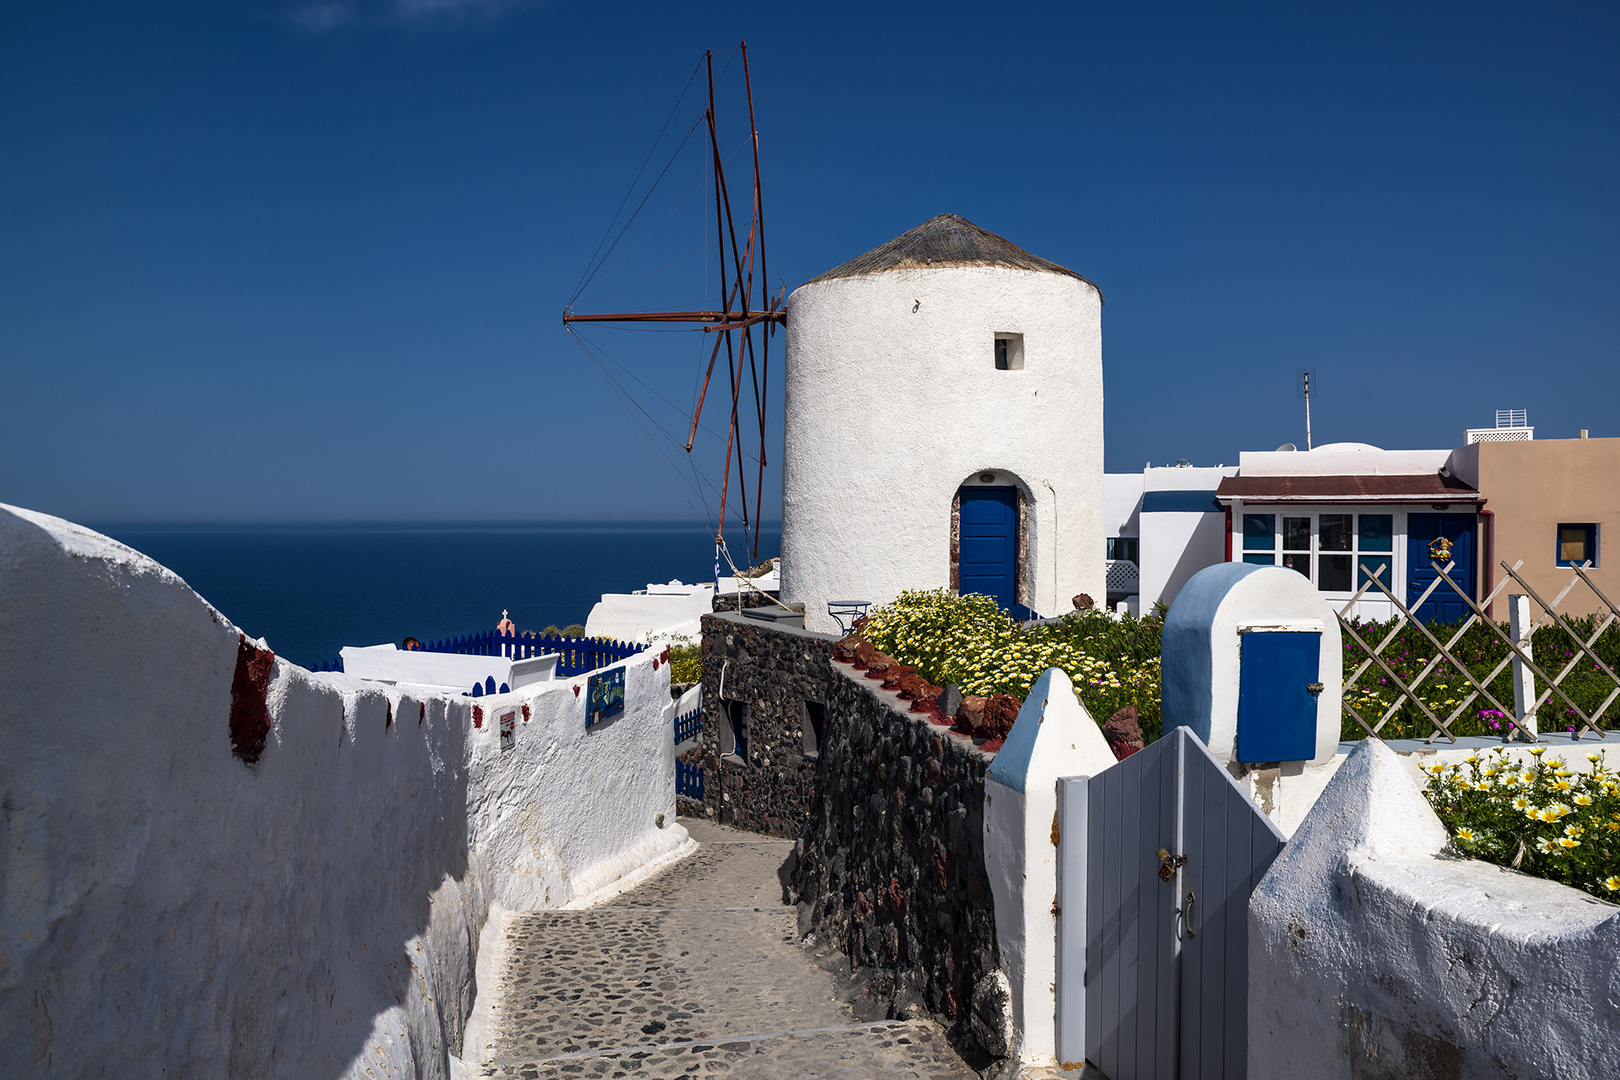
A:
x,y
1577,544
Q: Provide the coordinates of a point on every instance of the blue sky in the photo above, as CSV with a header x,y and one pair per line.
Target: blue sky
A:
x,y
306,261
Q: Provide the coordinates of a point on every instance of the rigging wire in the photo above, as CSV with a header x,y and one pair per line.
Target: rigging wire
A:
x,y
702,185
616,391
603,353
631,220
651,150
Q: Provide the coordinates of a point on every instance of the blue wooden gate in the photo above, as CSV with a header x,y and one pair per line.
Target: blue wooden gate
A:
x,y
987,543
1443,605
1157,858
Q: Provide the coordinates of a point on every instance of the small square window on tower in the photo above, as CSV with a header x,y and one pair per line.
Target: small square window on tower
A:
x,y
1009,352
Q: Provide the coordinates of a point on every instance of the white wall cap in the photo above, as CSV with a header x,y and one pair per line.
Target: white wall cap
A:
x,y
1336,461
1177,478
1053,721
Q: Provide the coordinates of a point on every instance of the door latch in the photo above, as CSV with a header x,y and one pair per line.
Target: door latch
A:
x,y
1314,688
1172,863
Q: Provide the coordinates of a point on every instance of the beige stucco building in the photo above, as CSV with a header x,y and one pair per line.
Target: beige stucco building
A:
x,y
1547,502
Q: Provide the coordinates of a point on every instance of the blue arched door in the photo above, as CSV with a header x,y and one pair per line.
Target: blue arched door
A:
x,y
987,554
1443,605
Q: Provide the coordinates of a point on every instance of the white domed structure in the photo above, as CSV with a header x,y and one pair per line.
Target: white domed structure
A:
x,y
944,426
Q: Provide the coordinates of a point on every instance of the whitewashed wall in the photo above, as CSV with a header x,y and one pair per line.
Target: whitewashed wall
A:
x,y
1372,954
166,909
893,402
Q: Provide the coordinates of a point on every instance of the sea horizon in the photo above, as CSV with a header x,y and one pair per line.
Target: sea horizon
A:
x,y
308,588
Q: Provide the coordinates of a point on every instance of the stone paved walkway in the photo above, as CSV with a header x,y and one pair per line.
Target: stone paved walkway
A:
x,y
695,973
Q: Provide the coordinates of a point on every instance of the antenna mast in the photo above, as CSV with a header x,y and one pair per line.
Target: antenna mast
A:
x,y
1305,389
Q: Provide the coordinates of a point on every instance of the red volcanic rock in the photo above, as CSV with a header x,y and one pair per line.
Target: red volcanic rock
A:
x,y
1124,733
1000,710
970,714
864,653
847,648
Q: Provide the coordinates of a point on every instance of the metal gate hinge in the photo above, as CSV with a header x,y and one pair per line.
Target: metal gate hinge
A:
x,y
1172,863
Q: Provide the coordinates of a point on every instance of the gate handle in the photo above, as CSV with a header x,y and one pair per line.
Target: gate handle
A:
x,y
1184,916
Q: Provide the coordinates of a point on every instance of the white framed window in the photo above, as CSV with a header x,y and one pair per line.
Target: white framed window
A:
x,y
1336,549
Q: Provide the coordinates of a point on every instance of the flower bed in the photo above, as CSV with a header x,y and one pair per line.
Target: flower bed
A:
x,y
1544,819
970,642
1481,651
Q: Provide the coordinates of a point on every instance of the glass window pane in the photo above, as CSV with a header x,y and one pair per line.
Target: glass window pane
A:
x,y
1259,532
1262,558
1576,544
1333,575
1334,532
1377,531
1378,564
1296,534
1300,561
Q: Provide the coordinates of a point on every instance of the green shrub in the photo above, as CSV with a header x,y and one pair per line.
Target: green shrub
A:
x,y
971,642
573,630
1545,819
685,659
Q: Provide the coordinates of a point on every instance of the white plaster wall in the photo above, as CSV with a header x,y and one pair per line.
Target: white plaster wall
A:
x,y
1372,954
1053,737
454,673
1174,547
893,402
1122,499
1341,459
166,909
642,618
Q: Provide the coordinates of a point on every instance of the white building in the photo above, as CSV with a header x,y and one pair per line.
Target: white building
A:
x,y
1338,511
944,426
1162,526
664,612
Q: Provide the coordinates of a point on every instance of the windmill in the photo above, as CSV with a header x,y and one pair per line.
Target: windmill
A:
x,y
744,306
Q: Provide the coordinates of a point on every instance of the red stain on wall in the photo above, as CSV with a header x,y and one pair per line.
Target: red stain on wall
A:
x,y
250,686
478,716
525,714
421,711
388,720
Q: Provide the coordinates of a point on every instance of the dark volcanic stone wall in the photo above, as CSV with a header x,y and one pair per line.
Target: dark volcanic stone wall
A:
x,y
891,865
774,669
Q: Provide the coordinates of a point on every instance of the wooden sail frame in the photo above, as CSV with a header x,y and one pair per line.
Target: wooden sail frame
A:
x,y
733,324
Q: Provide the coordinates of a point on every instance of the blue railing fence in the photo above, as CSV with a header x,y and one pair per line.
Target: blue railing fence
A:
x,y
688,780
687,725
577,656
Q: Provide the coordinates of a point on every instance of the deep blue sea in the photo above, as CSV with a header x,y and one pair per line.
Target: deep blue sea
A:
x,y
310,589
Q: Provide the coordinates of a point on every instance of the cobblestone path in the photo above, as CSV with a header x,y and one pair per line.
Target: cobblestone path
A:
x,y
695,973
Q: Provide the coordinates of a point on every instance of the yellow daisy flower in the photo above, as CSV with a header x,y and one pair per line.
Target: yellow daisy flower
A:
x,y
1520,803
1566,842
1466,834
1612,884
1583,800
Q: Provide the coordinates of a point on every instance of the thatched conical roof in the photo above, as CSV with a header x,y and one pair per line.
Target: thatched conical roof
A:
x,y
947,240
